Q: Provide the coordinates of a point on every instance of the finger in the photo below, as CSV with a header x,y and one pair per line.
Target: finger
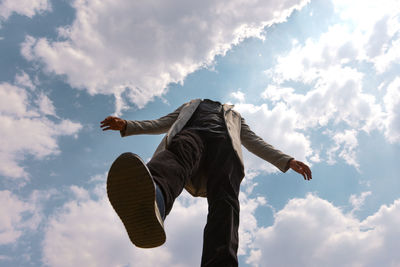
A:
x,y
300,170
109,118
305,174
307,170
108,122
105,120
106,129
105,124
309,173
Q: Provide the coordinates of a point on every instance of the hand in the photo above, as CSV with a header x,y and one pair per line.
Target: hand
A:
x,y
113,123
301,168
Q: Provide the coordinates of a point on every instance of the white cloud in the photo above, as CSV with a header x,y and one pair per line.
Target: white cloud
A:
x,y
329,99
248,183
305,62
248,222
238,95
22,79
86,229
276,93
26,130
330,65
367,31
392,105
133,50
16,216
45,105
319,63
27,8
99,178
316,233
79,192
346,144
331,102
358,201
377,29
14,101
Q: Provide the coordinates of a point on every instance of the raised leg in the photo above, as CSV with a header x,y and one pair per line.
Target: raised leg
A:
x,y
173,166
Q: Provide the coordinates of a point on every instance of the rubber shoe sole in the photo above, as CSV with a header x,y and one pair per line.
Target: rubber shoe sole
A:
x,y
131,191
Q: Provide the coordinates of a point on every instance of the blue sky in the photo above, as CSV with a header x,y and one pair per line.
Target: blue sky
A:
x,y
316,79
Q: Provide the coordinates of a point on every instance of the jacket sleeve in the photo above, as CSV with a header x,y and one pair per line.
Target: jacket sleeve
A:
x,y
262,149
157,126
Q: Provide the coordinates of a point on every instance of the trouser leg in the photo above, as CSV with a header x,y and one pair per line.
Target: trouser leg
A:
x,y
221,232
171,167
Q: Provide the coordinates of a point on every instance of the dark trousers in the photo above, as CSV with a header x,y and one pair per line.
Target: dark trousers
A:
x,y
189,153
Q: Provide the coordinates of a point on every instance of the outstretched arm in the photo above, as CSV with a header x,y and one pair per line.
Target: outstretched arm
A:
x,y
133,127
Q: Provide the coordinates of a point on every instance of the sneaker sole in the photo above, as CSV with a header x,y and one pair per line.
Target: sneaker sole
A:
x,y
131,192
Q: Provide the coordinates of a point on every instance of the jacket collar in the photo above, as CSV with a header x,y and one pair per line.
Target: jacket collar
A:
x,y
226,106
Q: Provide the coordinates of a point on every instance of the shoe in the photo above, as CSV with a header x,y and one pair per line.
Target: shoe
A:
x,y
137,200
